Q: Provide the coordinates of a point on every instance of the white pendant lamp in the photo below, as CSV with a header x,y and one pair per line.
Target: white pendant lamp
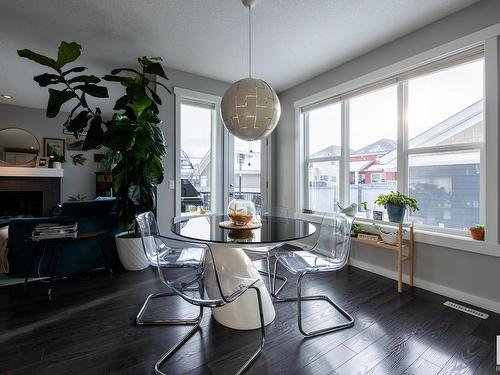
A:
x,y
250,108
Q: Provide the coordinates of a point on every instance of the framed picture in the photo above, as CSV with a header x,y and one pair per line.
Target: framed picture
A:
x,y
54,147
42,162
73,144
67,132
98,158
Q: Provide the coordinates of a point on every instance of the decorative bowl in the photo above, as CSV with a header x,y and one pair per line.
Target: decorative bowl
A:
x,y
389,236
241,211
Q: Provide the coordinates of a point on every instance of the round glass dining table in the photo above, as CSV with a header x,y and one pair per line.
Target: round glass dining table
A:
x,y
233,263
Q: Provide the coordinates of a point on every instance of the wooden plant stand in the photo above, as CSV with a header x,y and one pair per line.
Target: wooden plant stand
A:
x,y
404,249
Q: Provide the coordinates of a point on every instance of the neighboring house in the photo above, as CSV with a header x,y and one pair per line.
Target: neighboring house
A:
x,y
445,185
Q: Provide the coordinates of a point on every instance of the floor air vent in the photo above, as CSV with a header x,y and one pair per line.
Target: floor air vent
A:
x,y
468,310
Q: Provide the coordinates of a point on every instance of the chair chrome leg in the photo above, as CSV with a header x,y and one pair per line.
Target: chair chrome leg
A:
x,y
299,299
271,277
252,358
193,330
141,322
179,343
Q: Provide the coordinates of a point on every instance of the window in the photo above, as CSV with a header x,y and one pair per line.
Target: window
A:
x,y
323,150
247,171
196,156
421,133
373,130
445,136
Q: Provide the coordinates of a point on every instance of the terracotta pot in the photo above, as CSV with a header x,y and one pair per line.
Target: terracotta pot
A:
x,y
477,234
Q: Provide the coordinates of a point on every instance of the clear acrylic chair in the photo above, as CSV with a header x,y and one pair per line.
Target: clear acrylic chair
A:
x,y
210,290
160,255
329,254
264,252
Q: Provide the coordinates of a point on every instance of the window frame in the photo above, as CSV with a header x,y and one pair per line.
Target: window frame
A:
x,y
482,50
308,160
192,97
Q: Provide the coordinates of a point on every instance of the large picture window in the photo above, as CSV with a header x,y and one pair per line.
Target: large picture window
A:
x,y
428,123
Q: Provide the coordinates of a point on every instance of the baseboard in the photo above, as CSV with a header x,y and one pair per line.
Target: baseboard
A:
x,y
458,295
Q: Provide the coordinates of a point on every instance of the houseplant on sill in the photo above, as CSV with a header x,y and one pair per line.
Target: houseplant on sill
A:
x,y
368,212
396,204
477,232
132,133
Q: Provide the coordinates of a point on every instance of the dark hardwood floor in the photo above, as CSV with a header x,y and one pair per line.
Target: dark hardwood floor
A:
x,y
88,328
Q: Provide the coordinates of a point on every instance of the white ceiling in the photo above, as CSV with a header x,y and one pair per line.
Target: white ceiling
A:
x,y
294,40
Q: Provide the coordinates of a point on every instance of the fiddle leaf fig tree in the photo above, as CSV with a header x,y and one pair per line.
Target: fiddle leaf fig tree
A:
x,y
132,133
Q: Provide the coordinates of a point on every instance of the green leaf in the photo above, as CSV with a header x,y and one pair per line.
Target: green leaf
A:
x,y
56,100
155,96
125,81
116,71
120,135
121,103
85,79
95,134
36,57
47,79
142,196
68,52
155,170
140,100
77,69
78,123
156,69
94,90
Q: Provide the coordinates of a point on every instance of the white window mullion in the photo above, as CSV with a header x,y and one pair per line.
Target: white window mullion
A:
x,y
402,157
344,189
489,156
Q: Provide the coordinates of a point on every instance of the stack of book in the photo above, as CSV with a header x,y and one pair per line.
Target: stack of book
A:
x,y
48,231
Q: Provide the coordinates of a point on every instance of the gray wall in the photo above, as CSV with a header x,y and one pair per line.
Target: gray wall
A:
x,y
464,275
77,179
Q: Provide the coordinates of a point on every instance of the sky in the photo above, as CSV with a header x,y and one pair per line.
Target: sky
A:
x,y
195,135
432,99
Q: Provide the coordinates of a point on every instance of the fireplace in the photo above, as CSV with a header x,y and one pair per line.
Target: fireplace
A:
x,y
29,196
21,204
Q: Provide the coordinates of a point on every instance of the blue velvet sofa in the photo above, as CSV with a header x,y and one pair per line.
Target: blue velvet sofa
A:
x,y
74,256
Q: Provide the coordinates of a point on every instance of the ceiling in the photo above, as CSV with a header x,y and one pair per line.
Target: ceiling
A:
x,y
294,40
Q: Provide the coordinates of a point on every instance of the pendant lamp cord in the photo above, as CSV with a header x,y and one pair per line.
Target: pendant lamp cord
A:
x,y
249,42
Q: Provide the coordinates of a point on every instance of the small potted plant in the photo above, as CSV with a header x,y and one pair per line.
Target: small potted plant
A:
x,y
396,204
364,206
477,232
56,160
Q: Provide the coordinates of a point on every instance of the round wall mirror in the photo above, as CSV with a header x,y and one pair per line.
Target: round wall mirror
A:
x,y
18,147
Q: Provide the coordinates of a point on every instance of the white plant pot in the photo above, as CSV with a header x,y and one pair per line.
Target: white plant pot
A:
x,y
369,214
56,164
131,253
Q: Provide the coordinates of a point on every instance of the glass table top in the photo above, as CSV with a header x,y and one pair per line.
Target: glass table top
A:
x,y
273,230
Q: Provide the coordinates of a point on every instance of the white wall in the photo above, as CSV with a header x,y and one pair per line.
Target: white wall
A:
x,y
469,277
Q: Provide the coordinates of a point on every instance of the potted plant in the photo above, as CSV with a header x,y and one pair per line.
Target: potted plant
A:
x,y
477,232
364,206
56,160
132,133
396,204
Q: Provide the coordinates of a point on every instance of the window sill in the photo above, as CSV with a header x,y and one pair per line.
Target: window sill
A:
x,y
451,241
